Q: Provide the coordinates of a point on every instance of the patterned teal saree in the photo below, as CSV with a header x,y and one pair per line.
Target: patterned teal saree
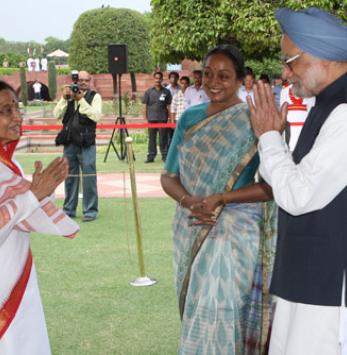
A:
x,y
224,303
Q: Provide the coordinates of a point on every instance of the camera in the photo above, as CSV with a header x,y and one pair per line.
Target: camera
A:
x,y
75,88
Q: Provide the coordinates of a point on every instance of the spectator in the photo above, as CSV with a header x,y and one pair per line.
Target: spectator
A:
x,y
173,85
37,86
247,88
79,110
298,109
30,64
44,64
277,88
37,64
156,102
195,94
177,105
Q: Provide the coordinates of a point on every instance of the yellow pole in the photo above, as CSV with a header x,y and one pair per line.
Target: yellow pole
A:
x,y
142,280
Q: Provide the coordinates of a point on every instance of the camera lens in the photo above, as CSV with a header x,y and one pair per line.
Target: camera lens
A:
x,y
75,88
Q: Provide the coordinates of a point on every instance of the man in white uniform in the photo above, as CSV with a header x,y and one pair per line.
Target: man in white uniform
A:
x,y
298,109
310,186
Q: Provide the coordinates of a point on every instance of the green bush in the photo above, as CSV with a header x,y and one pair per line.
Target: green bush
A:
x,y
271,67
8,71
96,29
13,59
129,107
63,71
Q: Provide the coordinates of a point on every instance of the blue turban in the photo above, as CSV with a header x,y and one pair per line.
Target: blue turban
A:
x,y
315,32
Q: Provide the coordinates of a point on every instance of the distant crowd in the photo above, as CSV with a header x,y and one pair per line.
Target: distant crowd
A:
x,y
165,102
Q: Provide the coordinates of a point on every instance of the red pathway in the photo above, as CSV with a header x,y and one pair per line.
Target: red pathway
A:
x,y
118,185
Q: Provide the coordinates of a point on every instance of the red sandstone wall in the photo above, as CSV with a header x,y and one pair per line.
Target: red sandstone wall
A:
x,y
102,82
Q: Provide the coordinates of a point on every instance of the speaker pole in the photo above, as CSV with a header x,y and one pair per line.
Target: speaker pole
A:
x,y
111,142
118,64
121,119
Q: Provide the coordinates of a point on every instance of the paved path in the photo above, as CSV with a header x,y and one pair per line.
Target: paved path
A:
x,y
118,185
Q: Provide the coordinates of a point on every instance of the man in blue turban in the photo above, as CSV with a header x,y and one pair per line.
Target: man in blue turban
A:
x,y
309,185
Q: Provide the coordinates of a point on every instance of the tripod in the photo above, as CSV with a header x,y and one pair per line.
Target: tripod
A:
x,y
123,132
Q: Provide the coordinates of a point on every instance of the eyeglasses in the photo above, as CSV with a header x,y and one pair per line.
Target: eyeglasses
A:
x,y
10,111
288,61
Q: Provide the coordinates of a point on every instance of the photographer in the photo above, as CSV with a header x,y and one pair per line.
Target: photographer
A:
x,y
79,109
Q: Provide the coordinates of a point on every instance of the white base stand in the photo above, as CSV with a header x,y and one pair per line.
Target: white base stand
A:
x,y
143,281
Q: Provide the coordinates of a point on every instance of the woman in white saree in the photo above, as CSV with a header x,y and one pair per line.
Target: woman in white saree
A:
x,y
24,207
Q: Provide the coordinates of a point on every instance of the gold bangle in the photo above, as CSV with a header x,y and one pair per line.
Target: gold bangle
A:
x,y
182,199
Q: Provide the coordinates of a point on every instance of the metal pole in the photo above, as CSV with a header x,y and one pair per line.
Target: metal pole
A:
x,y
143,280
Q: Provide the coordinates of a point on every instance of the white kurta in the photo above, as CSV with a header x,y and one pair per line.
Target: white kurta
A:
x,y
20,213
308,186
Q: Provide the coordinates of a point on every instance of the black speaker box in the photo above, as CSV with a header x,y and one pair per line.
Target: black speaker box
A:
x,y
118,58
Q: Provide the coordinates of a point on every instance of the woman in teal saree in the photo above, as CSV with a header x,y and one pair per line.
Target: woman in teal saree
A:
x,y
218,226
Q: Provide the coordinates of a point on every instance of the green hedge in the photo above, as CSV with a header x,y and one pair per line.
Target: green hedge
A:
x,y
96,29
63,71
271,67
8,71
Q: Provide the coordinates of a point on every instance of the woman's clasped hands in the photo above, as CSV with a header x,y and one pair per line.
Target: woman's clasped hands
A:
x,y
204,209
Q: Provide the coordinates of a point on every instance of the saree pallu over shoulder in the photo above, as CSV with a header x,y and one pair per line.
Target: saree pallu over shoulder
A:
x,y
20,214
9,309
213,148
215,266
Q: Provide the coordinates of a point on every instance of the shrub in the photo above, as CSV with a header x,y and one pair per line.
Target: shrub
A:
x,y
64,71
96,29
8,71
269,66
13,59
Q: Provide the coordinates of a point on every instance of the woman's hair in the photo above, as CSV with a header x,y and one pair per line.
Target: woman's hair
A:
x,y
5,86
233,54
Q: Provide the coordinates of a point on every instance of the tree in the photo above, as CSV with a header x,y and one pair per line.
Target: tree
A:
x,y
96,29
20,47
53,43
189,28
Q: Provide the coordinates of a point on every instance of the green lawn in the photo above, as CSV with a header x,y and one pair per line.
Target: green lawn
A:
x,y
112,165
89,305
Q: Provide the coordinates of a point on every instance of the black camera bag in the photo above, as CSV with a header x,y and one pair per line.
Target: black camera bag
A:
x,y
77,128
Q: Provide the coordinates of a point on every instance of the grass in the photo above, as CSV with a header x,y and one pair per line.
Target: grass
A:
x,y
90,307
133,108
112,165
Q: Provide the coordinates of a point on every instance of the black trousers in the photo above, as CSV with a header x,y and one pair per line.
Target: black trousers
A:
x,y
152,142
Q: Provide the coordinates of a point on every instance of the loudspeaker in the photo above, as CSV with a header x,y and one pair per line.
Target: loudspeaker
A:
x,y
118,58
